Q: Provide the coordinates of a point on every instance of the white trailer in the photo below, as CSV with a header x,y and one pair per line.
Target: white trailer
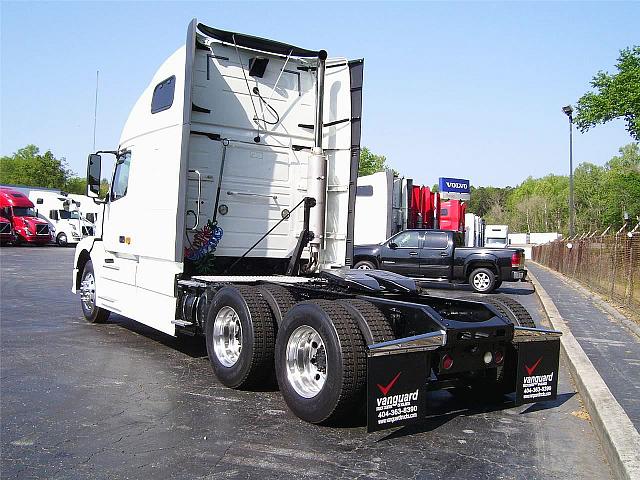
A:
x,y
474,230
381,207
496,236
250,147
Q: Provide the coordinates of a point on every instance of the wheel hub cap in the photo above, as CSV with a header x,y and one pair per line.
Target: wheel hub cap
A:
x,y
227,336
481,281
88,291
364,267
306,361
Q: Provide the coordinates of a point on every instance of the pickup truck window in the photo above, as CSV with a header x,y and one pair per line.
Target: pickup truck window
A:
x,y
407,240
436,240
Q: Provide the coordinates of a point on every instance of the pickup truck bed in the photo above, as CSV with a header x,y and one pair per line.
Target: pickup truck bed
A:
x,y
440,255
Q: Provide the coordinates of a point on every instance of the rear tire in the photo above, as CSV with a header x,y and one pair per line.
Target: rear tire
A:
x,y
364,265
91,312
482,280
240,337
373,325
513,310
328,382
279,298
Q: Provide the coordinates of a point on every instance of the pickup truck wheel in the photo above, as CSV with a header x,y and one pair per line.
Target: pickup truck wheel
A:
x,y
61,239
91,312
240,337
373,325
321,363
482,280
364,265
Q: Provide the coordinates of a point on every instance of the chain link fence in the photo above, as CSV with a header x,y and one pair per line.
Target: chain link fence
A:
x,y
609,265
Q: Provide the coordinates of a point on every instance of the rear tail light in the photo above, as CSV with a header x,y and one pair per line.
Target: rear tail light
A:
x,y
498,357
447,361
515,260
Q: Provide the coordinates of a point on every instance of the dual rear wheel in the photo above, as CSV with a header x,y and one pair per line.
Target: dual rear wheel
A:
x,y
318,353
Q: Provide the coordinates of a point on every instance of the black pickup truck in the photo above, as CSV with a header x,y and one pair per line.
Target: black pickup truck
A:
x,y
440,255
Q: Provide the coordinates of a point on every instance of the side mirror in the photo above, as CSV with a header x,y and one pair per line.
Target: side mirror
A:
x,y
94,167
393,245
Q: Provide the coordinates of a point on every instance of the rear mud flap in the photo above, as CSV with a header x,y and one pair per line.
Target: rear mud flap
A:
x,y
396,389
538,364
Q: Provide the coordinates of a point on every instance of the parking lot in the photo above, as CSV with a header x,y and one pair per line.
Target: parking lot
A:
x,y
122,401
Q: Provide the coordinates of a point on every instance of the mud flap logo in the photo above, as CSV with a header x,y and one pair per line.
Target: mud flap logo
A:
x,y
537,378
396,389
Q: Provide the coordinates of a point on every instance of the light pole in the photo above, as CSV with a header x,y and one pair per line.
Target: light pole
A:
x,y
568,110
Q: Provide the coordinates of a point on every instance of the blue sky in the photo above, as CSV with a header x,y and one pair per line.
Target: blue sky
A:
x,y
468,90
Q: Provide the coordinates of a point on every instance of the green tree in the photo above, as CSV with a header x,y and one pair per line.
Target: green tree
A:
x,y
617,95
76,185
370,163
28,166
621,186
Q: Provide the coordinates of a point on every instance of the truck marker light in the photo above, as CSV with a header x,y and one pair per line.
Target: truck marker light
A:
x,y
499,357
447,361
487,357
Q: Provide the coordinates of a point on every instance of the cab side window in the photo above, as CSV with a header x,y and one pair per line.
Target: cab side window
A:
x,y
407,240
436,240
121,176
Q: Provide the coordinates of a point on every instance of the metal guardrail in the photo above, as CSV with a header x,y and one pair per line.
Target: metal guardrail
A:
x,y
608,264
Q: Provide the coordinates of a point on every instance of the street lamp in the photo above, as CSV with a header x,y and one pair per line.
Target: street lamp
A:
x,y
568,111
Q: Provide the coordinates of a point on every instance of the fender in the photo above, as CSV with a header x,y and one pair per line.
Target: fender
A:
x,y
84,246
482,259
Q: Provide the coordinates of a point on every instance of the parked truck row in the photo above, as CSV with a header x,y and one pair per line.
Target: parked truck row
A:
x,y
254,144
66,222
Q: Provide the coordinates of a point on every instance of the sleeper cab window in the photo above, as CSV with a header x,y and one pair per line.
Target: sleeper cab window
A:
x,y
163,95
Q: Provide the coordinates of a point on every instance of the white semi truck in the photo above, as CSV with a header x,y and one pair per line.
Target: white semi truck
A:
x,y
250,147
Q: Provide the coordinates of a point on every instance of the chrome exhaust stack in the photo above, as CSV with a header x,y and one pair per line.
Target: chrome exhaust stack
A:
x,y
317,174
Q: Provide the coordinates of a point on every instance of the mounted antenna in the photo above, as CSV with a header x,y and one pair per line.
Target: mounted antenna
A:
x,y
95,112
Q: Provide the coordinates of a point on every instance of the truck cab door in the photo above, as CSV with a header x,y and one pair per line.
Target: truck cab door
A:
x,y
119,267
436,255
401,253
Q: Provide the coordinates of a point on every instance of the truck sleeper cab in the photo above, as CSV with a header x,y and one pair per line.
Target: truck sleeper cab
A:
x,y
254,145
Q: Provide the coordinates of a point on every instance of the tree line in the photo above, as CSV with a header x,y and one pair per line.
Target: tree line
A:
x,y
29,167
602,197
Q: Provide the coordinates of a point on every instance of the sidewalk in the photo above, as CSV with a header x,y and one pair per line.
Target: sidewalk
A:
x,y
613,350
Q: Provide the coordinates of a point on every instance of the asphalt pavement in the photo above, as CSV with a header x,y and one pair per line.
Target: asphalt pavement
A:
x,y
122,401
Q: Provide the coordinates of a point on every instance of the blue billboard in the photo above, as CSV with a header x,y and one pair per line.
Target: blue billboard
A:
x,y
457,185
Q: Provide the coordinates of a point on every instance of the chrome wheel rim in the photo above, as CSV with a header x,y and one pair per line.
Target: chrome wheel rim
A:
x,y
227,336
364,266
481,281
88,291
306,360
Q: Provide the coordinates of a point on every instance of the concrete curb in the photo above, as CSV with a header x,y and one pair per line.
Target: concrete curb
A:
x,y
620,439
597,299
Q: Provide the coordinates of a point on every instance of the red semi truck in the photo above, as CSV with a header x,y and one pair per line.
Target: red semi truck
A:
x,y
23,217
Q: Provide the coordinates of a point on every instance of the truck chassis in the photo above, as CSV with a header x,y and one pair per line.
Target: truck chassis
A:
x,y
333,340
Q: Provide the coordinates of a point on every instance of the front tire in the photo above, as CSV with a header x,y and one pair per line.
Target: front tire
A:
x,y
240,337
92,313
364,265
482,280
321,361
61,239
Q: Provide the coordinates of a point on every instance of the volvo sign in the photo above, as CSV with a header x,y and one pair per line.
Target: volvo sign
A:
x,y
455,188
